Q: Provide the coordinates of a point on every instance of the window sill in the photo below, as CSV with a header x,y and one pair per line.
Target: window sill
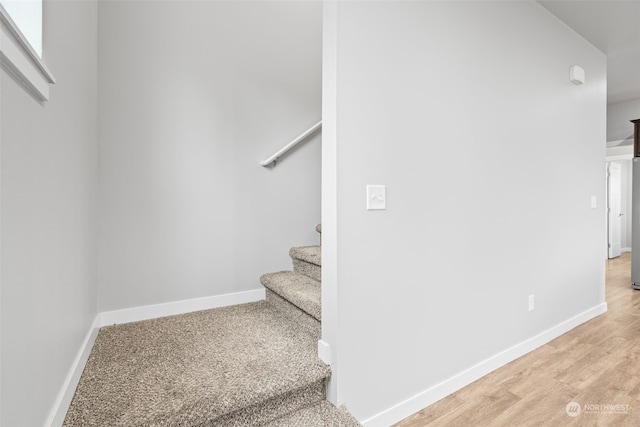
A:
x,y
21,62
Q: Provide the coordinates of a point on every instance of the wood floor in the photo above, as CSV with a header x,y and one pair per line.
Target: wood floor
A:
x,y
594,365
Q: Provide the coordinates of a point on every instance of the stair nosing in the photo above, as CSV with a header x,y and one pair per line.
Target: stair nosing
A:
x,y
307,254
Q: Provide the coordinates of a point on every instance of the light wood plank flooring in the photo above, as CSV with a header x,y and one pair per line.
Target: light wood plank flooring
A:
x,y
597,363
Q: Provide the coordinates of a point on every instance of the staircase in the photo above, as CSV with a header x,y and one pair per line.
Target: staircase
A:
x,y
297,296
251,364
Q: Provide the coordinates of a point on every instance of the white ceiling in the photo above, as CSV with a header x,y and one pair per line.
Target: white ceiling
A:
x,y
613,26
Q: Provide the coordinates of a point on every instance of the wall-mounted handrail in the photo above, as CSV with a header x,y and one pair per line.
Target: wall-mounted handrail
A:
x,y
275,156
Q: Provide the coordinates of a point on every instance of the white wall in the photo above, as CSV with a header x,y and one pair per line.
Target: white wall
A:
x,y
190,102
490,156
48,197
618,115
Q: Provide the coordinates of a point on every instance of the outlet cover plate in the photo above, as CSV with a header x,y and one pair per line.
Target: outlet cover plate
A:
x,y
376,197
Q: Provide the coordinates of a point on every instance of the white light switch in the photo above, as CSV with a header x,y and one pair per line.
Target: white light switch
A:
x,y
594,202
376,197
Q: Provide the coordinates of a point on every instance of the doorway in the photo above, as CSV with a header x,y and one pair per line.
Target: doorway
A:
x,y
614,205
618,207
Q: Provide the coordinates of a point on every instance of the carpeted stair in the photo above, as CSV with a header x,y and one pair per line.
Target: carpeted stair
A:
x,y
322,414
296,297
251,364
297,294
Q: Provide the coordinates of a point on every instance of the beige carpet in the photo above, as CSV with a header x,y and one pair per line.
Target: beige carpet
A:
x,y
239,365
246,365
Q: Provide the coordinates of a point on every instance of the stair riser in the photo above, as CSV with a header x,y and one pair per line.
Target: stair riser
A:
x,y
309,323
310,270
271,409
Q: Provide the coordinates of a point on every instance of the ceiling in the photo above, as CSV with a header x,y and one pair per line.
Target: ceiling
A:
x,y
612,26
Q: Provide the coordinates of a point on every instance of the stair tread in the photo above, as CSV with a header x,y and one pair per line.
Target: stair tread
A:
x,y
319,415
310,254
195,368
298,289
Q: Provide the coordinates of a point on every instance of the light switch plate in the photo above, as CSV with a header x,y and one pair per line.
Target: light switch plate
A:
x,y
376,197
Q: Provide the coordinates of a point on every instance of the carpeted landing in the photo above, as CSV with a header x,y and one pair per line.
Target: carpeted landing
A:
x,y
252,364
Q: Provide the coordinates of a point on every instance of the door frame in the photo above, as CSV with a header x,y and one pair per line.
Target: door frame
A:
x,y
611,250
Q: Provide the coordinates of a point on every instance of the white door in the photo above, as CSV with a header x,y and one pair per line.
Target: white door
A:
x,y
615,210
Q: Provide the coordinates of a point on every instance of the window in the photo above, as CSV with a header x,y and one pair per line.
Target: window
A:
x,y
21,46
27,14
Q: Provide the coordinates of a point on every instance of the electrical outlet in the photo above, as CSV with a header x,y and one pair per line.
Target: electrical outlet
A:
x,y
531,302
376,197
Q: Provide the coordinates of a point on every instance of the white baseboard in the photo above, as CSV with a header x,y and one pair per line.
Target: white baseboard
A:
x,y
147,312
61,406
431,395
625,250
